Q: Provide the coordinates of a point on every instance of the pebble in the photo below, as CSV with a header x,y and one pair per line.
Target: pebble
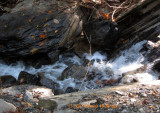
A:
x,y
132,100
141,110
143,95
119,92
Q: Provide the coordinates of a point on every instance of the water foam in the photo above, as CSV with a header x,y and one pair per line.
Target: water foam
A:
x,y
102,69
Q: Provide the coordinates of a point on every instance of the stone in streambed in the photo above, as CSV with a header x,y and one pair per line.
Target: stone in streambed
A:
x,y
7,81
26,78
157,66
70,90
76,72
48,83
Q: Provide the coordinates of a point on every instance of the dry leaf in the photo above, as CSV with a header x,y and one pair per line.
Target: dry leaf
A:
x,y
45,25
5,26
151,107
37,26
114,106
49,11
42,36
107,16
97,82
114,19
46,19
124,42
1,45
29,105
56,31
45,31
30,20
33,36
34,50
41,43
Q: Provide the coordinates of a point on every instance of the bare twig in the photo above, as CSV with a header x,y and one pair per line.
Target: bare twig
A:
x,y
89,64
119,7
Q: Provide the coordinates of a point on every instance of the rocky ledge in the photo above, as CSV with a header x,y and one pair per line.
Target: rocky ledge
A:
x,y
138,97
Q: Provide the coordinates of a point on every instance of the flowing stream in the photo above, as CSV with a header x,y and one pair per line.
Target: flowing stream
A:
x,y
101,69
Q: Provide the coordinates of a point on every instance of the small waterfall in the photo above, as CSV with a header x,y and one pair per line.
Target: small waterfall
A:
x,y
100,69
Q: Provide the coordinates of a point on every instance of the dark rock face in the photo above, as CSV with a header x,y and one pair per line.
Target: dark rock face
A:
x,y
102,33
7,81
37,28
26,78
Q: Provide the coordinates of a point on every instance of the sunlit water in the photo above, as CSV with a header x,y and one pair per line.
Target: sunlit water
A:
x,y
100,68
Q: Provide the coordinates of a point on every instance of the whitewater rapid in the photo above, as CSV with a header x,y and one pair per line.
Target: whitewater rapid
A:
x,y
127,60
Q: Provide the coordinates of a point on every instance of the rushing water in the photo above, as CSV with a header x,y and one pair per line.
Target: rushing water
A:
x,y
102,69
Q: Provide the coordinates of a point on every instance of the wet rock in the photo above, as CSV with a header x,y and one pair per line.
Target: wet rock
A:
x,y
26,78
102,33
37,60
70,90
82,47
47,104
129,79
54,56
77,72
7,80
48,83
139,70
58,91
157,66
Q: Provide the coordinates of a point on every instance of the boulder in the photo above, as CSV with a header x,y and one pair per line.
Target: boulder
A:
x,y
48,83
7,81
6,107
74,71
129,79
26,78
102,33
